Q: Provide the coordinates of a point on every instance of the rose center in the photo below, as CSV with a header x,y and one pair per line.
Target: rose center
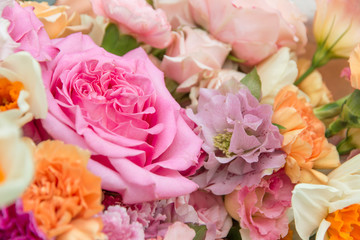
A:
x,y
345,223
9,94
222,142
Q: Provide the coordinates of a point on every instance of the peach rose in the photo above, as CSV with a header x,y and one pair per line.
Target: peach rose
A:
x,y
304,138
58,23
64,195
192,51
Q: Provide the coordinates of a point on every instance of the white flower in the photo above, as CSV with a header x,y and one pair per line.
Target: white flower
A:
x,y
276,72
16,162
312,203
31,100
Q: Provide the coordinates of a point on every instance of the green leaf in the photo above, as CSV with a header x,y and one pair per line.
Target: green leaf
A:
x,y
279,126
181,97
117,43
200,231
234,233
252,81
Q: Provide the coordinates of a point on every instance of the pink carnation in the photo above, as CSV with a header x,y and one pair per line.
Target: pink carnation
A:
x,y
137,18
25,28
118,226
242,143
262,208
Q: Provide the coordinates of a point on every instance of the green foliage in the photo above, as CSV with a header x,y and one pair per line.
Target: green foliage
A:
x,y
234,233
252,81
117,43
200,231
181,98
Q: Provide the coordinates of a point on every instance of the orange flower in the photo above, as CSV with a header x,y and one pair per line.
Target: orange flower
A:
x,y
345,223
64,195
304,138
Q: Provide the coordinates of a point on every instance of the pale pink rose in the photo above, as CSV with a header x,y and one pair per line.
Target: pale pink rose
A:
x,y
137,18
261,210
192,51
120,110
255,29
177,12
179,230
27,30
212,79
201,208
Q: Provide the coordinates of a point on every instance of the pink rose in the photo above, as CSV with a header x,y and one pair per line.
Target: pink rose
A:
x,y
255,29
137,18
120,110
192,51
177,12
261,209
25,28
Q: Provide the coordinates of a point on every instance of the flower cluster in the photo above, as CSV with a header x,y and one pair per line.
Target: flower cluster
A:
x,y
177,120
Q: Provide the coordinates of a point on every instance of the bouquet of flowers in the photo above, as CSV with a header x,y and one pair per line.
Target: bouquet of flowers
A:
x,y
177,120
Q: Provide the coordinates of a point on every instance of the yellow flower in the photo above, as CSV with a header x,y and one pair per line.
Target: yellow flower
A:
x,y
354,62
337,26
313,86
336,30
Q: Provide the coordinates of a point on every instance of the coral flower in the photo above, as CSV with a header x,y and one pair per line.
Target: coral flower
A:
x,y
304,138
64,195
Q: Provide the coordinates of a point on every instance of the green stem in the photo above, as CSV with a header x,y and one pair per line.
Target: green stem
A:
x,y
305,75
330,110
335,127
345,146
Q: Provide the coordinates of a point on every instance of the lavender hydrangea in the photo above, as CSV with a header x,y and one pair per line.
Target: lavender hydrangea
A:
x,y
16,224
242,143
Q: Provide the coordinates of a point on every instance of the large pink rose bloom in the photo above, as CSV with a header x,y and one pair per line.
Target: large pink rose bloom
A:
x,y
137,18
261,210
255,29
27,30
120,110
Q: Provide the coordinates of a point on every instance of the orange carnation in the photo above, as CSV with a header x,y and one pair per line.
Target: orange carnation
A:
x,y
304,138
64,195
